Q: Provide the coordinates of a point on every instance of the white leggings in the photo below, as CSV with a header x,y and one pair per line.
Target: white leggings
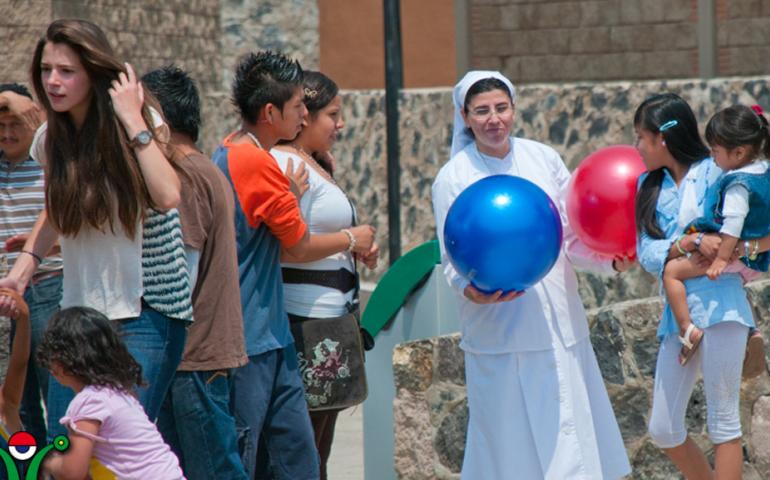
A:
x,y
720,358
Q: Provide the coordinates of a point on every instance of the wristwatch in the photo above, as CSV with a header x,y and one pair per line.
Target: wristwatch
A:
x,y
142,139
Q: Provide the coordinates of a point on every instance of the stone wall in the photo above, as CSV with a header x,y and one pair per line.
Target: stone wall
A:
x,y
289,26
431,413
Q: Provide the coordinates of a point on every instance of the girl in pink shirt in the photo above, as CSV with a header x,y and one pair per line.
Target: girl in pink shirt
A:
x,y
105,420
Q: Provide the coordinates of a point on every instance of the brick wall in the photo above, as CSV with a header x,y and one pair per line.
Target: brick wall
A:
x,y
743,37
548,40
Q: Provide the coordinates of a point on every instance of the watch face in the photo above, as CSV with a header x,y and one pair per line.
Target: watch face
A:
x,y
143,137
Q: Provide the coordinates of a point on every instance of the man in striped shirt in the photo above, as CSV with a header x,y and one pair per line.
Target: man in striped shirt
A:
x,y
22,197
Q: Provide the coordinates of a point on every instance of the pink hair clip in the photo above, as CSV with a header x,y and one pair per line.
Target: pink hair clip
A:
x,y
758,110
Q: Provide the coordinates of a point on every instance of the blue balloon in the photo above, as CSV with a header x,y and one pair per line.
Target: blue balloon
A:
x,y
503,233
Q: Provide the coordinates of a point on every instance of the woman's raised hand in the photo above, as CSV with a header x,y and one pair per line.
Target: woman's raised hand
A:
x,y
298,179
477,296
364,235
127,97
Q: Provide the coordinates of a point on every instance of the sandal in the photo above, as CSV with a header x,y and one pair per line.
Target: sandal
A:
x,y
689,347
754,363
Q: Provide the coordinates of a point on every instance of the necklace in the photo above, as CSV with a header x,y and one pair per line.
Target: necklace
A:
x,y
253,139
314,163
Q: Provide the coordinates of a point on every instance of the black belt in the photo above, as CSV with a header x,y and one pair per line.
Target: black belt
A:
x,y
343,279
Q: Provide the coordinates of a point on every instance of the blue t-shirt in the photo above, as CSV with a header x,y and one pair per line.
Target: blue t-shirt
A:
x,y
267,217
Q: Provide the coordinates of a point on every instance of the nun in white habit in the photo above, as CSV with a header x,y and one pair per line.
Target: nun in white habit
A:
x,y
538,405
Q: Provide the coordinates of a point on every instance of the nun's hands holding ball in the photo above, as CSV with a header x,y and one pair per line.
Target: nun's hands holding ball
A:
x,y
477,296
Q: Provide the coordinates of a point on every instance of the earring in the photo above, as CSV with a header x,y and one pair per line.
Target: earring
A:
x,y
663,143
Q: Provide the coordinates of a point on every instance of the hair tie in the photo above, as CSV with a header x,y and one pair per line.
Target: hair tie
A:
x,y
760,113
311,94
667,125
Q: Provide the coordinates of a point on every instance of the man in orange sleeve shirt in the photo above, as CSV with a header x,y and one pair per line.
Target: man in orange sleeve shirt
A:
x,y
275,436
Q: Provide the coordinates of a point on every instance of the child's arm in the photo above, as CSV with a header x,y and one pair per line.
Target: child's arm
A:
x,y
723,256
73,464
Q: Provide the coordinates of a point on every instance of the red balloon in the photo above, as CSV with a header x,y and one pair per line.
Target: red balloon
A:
x,y
601,200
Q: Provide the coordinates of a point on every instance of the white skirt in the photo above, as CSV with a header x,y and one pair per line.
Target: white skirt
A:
x,y
541,415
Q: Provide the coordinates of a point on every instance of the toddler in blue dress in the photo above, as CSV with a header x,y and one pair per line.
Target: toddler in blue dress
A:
x,y
736,209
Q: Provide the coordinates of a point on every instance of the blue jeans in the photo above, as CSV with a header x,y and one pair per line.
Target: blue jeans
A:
x,y
275,436
196,422
43,299
156,342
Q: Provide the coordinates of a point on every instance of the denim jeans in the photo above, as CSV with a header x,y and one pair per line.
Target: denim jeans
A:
x,y
196,422
43,299
156,342
275,436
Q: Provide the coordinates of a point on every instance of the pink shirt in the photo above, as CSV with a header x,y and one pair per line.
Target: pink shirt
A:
x,y
128,444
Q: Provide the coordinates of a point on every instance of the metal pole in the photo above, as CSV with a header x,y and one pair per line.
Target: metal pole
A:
x,y
394,80
707,39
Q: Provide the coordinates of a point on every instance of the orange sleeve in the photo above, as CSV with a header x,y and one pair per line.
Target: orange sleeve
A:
x,y
264,194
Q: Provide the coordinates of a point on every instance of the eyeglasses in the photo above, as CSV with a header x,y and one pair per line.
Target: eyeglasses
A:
x,y
485,113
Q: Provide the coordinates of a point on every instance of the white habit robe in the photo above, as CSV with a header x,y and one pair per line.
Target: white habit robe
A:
x,y
538,405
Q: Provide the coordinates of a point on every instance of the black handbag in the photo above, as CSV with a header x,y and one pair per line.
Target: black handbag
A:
x,y
330,354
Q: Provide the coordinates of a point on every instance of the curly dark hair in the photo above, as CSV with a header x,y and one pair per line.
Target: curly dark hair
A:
x,y
83,342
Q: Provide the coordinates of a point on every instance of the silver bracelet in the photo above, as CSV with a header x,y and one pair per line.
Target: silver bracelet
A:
x,y
351,238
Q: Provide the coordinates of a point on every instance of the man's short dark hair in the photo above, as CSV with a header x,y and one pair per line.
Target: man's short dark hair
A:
x,y
16,88
262,78
178,97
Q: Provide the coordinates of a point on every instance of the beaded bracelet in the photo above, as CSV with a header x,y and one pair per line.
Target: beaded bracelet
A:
x,y
351,238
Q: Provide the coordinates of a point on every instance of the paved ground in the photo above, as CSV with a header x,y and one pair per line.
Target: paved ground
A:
x,y
347,458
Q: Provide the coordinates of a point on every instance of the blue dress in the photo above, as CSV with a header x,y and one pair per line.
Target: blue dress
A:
x,y
710,302
755,226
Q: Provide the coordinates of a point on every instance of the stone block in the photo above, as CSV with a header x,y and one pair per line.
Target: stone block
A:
x,y
743,32
487,63
413,365
599,13
413,443
489,44
631,38
511,18
488,18
680,11
744,8
760,436
589,40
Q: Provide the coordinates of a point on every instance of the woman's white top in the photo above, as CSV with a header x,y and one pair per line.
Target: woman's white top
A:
x,y
102,269
551,311
736,204
325,209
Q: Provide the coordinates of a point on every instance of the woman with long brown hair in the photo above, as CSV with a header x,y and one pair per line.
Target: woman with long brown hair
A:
x,y
104,170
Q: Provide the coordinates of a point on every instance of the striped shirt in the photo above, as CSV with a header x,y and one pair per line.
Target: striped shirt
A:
x,y
164,267
22,198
